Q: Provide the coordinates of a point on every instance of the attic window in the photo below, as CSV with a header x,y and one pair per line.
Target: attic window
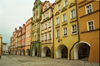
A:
x,y
45,7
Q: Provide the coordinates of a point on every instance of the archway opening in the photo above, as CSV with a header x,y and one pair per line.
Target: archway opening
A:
x,y
81,51
27,52
22,52
46,52
34,53
62,52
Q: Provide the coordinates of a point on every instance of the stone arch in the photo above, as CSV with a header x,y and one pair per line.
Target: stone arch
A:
x,y
34,52
62,51
79,46
46,52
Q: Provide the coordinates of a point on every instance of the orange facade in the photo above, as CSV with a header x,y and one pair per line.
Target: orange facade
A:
x,y
88,21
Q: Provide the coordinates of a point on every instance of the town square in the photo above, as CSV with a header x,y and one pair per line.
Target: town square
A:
x,y
50,33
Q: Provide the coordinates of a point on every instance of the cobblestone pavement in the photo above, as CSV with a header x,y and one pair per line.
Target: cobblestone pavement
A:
x,y
17,60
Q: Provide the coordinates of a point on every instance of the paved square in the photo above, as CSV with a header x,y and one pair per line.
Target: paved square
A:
x,y
17,60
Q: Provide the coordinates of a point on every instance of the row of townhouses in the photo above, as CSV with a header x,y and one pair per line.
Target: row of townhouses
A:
x,y
65,29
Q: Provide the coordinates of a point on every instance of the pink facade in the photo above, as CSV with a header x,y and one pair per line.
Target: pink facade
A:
x,y
23,40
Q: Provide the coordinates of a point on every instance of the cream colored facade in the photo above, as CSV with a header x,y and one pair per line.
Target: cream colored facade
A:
x,y
0,44
46,30
28,37
65,28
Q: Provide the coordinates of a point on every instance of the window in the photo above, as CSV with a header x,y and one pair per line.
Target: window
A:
x,y
64,17
65,31
47,14
58,33
49,24
49,36
38,25
45,7
42,27
90,25
59,7
33,27
73,13
57,21
33,38
38,37
74,29
89,9
42,38
45,26
45,37
66,2
44,16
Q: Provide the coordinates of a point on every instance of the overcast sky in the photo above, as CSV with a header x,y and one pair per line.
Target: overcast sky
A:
x,y
14,13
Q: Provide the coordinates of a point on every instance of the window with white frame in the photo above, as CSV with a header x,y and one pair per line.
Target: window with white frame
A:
x,y
73,13
74,29
44,16
45,37
57,20
66,2
89,9
58,33
59,7
90,25
45,26
64,17
49,36
49,24
64,31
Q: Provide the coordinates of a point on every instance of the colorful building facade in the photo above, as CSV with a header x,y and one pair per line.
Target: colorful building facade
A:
x,y
46,30
88,20
65,28
35,35
23,40
28,37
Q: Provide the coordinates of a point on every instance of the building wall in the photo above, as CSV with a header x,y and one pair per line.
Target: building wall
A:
x,y
91,37
46,31
70,39
28,35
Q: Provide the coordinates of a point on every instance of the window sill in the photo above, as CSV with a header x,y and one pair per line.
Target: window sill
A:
x,y
49,27
64,21
57,24
74,33
57,37
49,39
73,18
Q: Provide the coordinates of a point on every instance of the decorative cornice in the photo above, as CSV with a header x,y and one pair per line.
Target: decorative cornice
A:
x,y
64,24
64,9
57,2
57,13
72,4
73,21
57,27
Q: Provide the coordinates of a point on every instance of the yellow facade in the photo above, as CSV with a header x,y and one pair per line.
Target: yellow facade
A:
x,y
46,31
69,39
28,36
